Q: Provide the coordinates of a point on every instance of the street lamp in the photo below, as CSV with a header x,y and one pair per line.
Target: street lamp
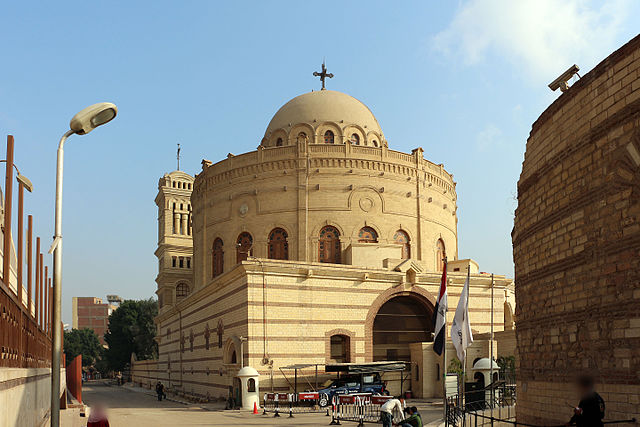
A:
x,y
82,123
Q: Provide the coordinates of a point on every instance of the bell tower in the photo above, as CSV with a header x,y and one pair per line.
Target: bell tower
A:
x,y
175,239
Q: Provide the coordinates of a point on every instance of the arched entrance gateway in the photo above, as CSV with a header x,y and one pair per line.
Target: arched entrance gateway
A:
x,y
400,321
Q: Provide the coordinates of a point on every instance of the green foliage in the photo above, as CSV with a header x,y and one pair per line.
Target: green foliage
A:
x,y
84,342
455,366
131,330
507,365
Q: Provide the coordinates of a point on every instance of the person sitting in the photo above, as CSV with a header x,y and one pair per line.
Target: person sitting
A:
x,y
413,418
590,410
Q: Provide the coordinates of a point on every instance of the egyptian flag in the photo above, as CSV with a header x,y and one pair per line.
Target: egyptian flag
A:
x,y
439,315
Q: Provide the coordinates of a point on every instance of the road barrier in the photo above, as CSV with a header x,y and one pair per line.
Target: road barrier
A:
x,y
358,407
291,403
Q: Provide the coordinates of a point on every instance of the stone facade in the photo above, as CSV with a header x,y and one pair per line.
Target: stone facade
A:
x,y
576,245
322,245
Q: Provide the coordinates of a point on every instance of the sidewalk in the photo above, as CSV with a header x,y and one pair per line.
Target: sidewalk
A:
x,y
214,406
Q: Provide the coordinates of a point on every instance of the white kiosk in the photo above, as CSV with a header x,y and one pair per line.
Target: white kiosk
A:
x,y
249,386
484,367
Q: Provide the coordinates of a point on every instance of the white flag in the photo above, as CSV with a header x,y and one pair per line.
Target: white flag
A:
x,y
461,335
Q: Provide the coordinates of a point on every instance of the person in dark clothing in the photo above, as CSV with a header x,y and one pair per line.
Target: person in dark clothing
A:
x,y
413,418
160,391
590,410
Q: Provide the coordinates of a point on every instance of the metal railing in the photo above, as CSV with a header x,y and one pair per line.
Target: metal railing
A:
x,y
25,317
492,405
291,403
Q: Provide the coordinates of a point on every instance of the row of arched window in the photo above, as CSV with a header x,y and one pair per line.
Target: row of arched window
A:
x,y
329,138
329,250
181,185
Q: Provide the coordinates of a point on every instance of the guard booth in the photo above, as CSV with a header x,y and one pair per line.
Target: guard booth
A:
x,y
249,387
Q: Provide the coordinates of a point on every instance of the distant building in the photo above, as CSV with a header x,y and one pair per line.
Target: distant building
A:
x,y
92,313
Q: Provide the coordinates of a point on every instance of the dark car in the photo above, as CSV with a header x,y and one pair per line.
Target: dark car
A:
x,y
347,385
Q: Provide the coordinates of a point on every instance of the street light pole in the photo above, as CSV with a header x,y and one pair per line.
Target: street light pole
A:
x,y
56,345
82,123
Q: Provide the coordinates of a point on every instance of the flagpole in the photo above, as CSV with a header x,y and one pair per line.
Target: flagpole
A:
x,y
464,367
444,359
491,354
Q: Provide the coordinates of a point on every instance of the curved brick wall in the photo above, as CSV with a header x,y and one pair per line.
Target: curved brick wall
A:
x,y
576,245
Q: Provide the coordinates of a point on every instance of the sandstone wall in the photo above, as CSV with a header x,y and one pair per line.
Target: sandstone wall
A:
x,y
304,304
576,246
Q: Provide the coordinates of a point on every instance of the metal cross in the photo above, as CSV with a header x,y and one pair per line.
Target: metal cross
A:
x,y
323,75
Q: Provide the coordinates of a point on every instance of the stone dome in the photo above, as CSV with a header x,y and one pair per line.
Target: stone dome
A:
x,y
325,107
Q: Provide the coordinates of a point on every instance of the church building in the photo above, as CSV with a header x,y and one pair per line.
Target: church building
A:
x,y
323,245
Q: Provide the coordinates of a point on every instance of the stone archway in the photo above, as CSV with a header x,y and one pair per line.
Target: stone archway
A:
x,y
396,319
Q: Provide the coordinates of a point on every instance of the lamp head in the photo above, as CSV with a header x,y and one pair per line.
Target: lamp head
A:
x,y
92,117
26,183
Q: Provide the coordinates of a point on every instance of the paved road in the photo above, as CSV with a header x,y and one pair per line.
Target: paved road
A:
x,y
130,408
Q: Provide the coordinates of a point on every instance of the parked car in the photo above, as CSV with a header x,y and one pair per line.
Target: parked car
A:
x,y
346,385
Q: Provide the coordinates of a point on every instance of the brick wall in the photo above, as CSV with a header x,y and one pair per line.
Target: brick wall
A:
x,y
576,242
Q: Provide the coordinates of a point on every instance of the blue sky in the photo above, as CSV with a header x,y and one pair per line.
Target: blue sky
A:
x,y
464,80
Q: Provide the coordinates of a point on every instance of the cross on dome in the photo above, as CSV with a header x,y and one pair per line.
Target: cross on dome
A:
x,y
323,75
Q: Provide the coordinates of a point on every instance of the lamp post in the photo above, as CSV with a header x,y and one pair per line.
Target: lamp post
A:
x,y
82,123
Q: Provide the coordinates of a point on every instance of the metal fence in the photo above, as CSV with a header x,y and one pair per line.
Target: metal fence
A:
x,y
291,403
360,407
490,406
25,311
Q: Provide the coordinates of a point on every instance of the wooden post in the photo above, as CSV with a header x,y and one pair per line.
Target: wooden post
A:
x,y
29,260
45,318
36,308
42,285
50,309
8,183
19,255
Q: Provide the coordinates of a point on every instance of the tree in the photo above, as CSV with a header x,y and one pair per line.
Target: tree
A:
x,y
84,342
131,330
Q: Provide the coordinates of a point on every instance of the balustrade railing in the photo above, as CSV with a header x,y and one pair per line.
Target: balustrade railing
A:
x,y
25,308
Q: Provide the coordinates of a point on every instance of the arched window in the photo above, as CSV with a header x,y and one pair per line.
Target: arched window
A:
x,y
340,348
440,255
251,385
243,246
367,235
374,143
182,290
329,245
302,137
355,139
278,244
218,257
279,142
328,137
402,238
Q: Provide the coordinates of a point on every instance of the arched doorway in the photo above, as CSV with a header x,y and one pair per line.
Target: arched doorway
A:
x,y
400,321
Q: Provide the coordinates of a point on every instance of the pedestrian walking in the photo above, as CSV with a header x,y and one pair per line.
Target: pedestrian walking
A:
x,y
160,391
387,412
590,410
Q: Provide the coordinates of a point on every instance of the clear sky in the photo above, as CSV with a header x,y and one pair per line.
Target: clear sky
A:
x,y
464,80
